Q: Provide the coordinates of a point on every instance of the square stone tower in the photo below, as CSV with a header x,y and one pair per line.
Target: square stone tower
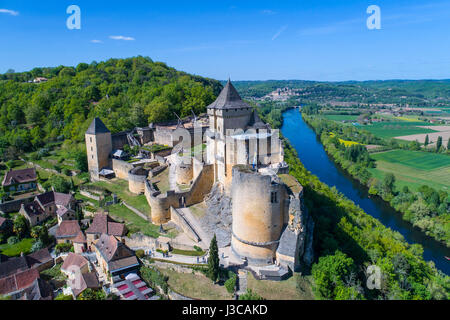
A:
x,y
227,112
99,147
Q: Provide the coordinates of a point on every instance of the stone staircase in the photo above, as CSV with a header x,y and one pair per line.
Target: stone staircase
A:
x,y
241,283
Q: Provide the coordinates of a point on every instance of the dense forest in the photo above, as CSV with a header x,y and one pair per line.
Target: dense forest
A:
x,y
125,93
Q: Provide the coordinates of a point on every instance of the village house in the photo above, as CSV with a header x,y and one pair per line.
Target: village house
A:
x,y
46,205
20,180
115,258
40,80
78,270
69,231
104,224
19,276
39,260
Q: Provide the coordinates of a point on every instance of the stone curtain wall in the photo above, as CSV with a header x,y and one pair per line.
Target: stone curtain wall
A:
x,y
121,168
161,203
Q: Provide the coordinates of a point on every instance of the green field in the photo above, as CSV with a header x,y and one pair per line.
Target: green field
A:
x,y
340,117
397,128
414,168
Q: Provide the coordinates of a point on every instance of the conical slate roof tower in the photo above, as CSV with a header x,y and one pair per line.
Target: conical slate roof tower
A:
x,y
229,98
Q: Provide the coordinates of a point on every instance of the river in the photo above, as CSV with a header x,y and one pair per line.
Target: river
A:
x,y
313,156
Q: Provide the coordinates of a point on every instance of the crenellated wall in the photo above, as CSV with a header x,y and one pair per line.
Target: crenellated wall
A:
x,y
161,203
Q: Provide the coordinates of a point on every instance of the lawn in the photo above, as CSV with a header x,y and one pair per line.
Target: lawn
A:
x,y
190,253
162,181
133,222
195,286
414,168
120,187
397,128
16,249
294,288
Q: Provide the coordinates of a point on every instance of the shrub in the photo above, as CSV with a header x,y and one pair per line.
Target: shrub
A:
x,y
64,297
140,253
13,240
230,284
63,247
38,245
250,295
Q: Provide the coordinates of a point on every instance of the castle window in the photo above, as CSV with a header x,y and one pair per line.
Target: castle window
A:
x,y
273,197
92,149
91,139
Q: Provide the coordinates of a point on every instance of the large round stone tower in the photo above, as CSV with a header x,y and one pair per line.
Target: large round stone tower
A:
x,y
259,214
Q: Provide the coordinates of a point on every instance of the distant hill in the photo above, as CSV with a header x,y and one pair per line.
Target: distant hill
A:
x,y
413,92
124,92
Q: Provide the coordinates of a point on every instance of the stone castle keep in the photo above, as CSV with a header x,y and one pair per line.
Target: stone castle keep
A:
x,y
271,230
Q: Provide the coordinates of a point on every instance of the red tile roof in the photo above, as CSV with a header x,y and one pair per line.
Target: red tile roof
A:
x,y
74,259
39,257
80,238
19,176
68,229
18,281
105,224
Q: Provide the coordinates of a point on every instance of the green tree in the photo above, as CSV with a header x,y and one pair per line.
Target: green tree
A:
x,y
439,144
81,162
213,260
21,226
59,184
329,276
427,141
388,183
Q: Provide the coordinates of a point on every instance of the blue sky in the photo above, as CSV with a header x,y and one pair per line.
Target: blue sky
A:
x,y
246,40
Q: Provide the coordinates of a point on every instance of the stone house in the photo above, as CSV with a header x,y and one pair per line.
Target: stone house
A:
x,y
104,224
45,206
20,180
78,270
69,231
115,258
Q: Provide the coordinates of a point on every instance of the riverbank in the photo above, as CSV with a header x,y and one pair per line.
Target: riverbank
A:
x,y
425,210
370,232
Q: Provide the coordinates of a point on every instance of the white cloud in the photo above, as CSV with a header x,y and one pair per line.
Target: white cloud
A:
x,y
276,35
96,41
10,12
122,38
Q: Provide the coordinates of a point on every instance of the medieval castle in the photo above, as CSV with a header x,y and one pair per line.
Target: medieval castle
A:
x,y
271,231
